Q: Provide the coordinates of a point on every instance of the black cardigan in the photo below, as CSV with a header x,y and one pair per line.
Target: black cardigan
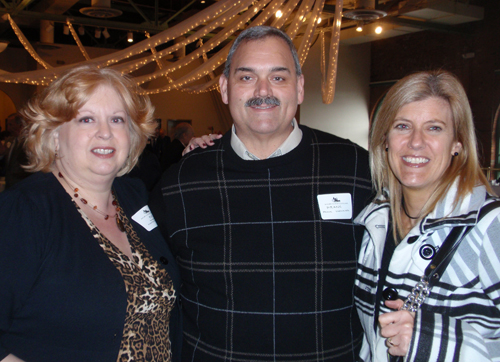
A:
x,y
61,298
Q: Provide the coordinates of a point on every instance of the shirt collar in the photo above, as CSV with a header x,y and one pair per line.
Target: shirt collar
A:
x,y
290,143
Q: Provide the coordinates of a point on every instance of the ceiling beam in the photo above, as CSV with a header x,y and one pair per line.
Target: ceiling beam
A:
x,y
165,23
426,25
131,2
22,5
105,23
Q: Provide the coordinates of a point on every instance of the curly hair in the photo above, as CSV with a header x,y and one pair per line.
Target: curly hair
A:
x,y
60,101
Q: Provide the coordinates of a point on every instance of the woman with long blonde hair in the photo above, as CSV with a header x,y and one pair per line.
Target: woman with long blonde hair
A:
x,y
425,168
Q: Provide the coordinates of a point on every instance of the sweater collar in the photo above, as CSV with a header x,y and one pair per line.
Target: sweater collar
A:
x,y
290,143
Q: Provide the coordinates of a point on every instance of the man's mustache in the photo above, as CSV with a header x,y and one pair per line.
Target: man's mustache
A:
x,y
258,101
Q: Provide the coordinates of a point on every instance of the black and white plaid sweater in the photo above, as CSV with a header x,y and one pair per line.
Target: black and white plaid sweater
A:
x,y
264,277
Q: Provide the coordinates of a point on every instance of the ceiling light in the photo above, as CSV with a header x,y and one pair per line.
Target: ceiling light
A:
x,y
364,14
106,33
81,30
97,33
378,30
101,9
279,14
359,28
202,1
66,30
130,37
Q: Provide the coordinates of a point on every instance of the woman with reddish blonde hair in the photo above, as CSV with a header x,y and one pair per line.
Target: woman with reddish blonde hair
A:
x,y
85,274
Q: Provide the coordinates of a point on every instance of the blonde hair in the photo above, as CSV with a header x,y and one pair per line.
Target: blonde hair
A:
x,y
60,101
418,87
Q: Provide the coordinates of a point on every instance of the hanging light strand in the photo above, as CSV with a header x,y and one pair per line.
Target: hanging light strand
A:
x,y
330,79
77,40
231,16
153,51
26,44
287,10
293,29
223,35
305,45
218,22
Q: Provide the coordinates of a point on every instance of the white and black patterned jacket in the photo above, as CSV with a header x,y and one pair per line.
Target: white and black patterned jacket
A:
x,y
460,320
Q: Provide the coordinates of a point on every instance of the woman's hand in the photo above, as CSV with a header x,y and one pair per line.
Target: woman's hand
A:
x,y
397,327
203,142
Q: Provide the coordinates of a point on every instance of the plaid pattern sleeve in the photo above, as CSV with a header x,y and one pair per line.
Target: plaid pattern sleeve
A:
x,y
265,278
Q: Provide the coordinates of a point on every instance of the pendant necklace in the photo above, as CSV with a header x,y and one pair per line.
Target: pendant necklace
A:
x,y
119,223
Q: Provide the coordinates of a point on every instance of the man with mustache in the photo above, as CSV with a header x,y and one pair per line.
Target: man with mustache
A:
x,y
262,222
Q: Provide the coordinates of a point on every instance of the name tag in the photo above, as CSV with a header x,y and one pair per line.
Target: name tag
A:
x,y
145,218
335,206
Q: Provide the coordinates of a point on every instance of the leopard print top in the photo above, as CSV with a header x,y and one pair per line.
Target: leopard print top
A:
x,y
150,297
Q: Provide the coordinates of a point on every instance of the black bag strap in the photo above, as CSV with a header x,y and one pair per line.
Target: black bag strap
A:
x,y
441,260
450,245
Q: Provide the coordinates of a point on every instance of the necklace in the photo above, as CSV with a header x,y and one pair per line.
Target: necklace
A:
x,y
119,223
406,212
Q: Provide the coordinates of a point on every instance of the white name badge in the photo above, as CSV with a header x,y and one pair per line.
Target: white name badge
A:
x,y
335,206
145,218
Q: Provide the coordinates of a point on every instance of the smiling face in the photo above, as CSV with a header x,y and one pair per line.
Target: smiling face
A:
x,y
262,69
421,144
94,145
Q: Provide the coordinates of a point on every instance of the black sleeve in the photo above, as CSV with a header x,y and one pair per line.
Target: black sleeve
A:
x,y
158,208
22,237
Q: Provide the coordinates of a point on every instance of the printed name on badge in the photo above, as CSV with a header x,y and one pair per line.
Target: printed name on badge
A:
x,y
145,218
335,206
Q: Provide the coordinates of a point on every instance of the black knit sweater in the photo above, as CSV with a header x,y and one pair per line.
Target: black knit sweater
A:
x,y
264,277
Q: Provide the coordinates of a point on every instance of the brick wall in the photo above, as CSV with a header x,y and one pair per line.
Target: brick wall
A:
x,y
394,58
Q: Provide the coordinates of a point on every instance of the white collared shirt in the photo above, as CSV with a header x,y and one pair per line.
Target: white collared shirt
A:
x,y
290,143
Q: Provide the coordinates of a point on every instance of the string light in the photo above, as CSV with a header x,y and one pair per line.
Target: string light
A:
x,y
310,29
26,44
329,74
77,39
231,16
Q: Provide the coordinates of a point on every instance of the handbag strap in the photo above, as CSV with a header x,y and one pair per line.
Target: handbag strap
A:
x,y
440,261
